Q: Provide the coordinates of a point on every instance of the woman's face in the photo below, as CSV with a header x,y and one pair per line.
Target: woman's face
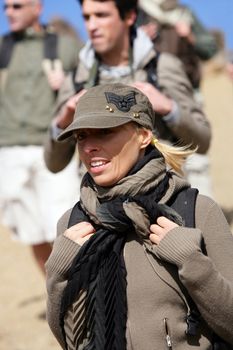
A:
x,y
109,154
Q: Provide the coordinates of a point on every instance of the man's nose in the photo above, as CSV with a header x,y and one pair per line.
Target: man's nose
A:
x,y
92,23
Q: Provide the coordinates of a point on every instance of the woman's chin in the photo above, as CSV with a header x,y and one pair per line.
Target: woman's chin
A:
x,y
104,180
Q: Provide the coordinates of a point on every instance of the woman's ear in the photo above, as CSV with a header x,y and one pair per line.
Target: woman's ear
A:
x,y
146,137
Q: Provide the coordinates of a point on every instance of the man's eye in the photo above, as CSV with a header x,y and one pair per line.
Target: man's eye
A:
x,y
102,15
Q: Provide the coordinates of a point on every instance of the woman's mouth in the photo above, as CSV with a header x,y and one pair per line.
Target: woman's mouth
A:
x,y
98,166
97,163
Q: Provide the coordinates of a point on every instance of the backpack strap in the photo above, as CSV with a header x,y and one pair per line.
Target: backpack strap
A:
x,y
78,86
185,203
77,215
50,46
9,40
6,49
151,70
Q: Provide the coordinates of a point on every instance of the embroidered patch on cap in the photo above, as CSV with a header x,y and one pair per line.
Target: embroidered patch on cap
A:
x,y
123,103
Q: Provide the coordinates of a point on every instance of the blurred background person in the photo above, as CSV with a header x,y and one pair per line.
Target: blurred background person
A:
x,y
175,28
33,64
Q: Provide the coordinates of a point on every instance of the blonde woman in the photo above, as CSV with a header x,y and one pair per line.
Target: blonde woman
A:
x,y
125,271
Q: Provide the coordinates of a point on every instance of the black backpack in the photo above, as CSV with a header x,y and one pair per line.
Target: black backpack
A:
x,y
184,203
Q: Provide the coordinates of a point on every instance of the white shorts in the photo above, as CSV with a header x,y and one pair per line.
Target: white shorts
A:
x,y
32,199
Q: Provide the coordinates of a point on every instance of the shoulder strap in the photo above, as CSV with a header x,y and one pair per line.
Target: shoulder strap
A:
x,y
50,46
78,215
78,86
151,70
185,203
6,49
8,42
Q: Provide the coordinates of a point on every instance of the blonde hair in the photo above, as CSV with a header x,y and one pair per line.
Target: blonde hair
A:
x,y
174,156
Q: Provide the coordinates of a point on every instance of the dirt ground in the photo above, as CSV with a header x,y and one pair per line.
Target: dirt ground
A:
x,y
22,291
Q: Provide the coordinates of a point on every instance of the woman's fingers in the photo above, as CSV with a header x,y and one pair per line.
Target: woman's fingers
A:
x,y
165,223
80,232
159,230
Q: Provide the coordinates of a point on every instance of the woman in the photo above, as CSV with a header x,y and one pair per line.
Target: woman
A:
x,y
125,272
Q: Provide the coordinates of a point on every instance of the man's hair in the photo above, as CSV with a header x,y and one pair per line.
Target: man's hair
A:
x,y
123,6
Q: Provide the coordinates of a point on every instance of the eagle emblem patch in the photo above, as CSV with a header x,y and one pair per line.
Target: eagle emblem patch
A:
x,y
123,103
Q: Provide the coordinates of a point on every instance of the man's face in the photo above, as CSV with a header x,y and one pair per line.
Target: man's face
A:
x,y
22,14
107,31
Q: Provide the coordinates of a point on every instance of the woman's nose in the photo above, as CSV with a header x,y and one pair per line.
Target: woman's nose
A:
x,y
91,145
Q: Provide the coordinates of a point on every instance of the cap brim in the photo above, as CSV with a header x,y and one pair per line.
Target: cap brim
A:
x,y
93,121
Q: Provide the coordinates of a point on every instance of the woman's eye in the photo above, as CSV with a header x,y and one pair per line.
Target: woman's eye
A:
x,y
99,133
80,137
106,131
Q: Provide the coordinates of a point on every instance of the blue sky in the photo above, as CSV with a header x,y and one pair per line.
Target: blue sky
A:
x,y
215,14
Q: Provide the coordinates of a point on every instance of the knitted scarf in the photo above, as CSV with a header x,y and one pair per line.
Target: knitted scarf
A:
x,y
94,306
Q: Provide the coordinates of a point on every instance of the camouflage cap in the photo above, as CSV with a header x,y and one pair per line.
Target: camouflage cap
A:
x,y
108,106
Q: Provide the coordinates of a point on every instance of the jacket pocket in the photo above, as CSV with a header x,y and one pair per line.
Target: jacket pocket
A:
x,y
167,334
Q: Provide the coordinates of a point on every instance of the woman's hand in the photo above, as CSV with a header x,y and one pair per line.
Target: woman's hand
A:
x,y
159,230
80,232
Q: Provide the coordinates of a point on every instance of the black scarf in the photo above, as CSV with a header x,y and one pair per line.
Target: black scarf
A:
x,y
96,288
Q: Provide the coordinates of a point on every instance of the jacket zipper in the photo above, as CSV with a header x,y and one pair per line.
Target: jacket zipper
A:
x,y
181,295
167,333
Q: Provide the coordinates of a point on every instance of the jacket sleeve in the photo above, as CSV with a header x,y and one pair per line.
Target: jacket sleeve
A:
x,y
57,155
208,278
57,266
190,125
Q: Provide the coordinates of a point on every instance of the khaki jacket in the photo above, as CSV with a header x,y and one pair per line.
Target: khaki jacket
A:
x,y
157,303
26,99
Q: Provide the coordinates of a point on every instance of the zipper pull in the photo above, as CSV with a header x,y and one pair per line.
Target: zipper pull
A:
x,y
169,342
168,338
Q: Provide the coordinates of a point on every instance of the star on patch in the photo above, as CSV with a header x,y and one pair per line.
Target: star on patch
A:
x,y
123,103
